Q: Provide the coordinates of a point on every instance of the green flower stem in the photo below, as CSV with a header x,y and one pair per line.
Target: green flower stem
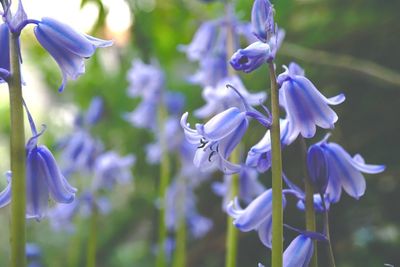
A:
x,y
180,250
328,236
92,241
232,232
276,168
161,260
309,190
17,149
231,241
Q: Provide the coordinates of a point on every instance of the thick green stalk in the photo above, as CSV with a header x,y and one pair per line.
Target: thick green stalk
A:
x,y
17,148
308,188
92,241
232,232
328,236
164,181
276,168
180,250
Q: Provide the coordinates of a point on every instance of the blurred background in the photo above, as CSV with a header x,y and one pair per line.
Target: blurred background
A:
x,y
344,46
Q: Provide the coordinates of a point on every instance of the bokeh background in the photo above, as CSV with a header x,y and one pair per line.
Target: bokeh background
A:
x,y
344,46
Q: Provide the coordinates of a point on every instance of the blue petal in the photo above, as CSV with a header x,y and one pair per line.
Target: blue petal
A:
x,y
37,192
95,110
5,52
299,252
317,168
222,124
262,20
251,57
359,163
254,214
228,144
71,64
5,195
66,37
59,188
341,170
192,136
265,232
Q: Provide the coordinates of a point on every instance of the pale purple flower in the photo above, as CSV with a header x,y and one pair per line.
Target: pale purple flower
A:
x,y
256,216
68,47
305,106
346,171
262,20
203,41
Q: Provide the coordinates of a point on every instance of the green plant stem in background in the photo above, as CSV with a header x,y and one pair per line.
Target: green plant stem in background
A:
x,y
327,234
232,233
276,168
92,241
180,240
164,181
309,191
17,149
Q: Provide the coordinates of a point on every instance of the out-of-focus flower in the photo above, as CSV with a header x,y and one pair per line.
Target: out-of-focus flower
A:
x,y
256,54
95,111
220,97
256,216
262,20
346,171
203,41
305,106
145,80
68,47
111,168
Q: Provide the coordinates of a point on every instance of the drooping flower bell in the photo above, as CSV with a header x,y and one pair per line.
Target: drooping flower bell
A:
x,y
299,252
305,106
346,171
44,180
256,216
68,47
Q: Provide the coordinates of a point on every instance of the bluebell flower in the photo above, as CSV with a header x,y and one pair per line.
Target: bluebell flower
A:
x,y
145,80
299,252
213,68
203,41
177,210
317,166
249,187
259,156
346,172
43,180
305,106
143,115
216,139
262,20
95,111
220,97
110,168
256,216
256,54
5,195
5,53
79,151
33,255
68,47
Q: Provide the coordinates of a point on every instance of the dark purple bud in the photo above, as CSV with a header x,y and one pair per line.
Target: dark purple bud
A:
x,y
317,168
5,53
